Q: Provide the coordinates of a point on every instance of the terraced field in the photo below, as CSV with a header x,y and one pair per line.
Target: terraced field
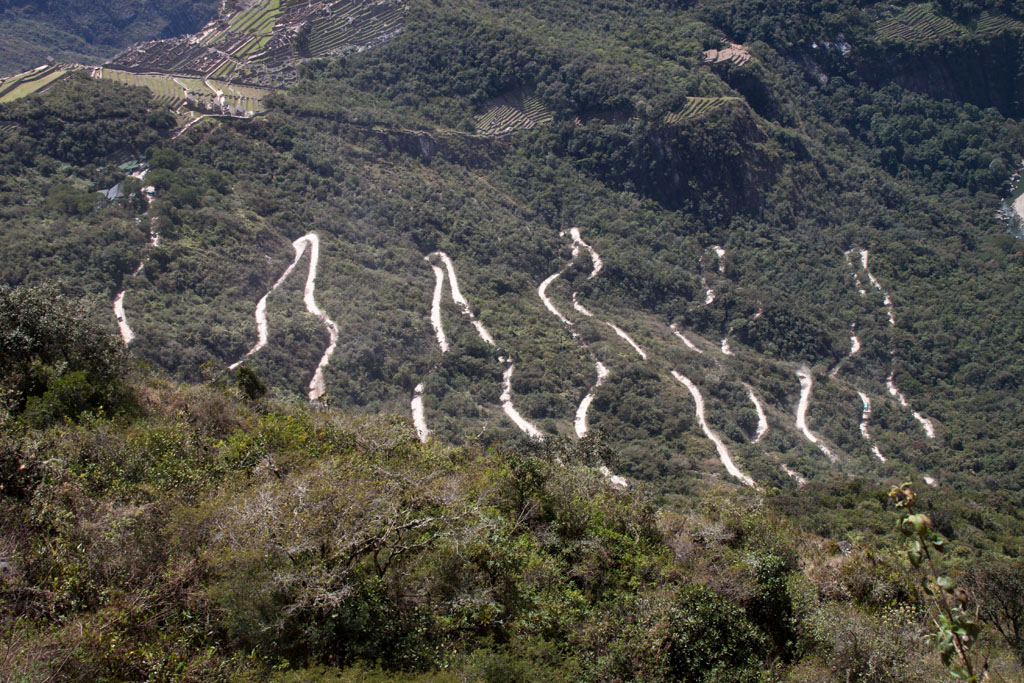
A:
x,y
258,20
918,23
164,88
512,113
737,54
175,91
696,107
354,24
989,24
20,85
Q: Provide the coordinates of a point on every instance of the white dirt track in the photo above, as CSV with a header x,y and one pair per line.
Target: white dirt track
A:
x,y
317,386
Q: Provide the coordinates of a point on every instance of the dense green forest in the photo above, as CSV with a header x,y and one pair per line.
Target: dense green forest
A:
x,y
793,215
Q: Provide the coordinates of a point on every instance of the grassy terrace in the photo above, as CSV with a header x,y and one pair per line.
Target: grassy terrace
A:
x,y
354,24
511,114
918,23
29,82
696,107
172,90
988,24
257,19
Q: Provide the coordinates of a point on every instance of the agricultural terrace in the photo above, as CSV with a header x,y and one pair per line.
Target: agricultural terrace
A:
x,y
204,95
20,85
916,24
512,113
988,24
353,24
696,107
736,54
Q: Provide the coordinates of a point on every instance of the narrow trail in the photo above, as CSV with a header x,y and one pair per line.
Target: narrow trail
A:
x,y
926,424
595,258
127,335
453,284
506,402
720,253
800,480
854,350
723,452
806,385
726,348
582,310
317,386
580,423
762,419
629,340
614,479
709,293
262,328
419,420
542,293
890,384
886,299
865,417
689,344
435,309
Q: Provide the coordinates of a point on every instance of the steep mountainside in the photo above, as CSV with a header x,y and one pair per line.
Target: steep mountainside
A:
x,y
737,252
32,31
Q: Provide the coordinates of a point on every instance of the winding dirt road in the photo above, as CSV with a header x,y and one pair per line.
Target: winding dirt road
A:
x,y
865,417
508,367
723,452
806,385
127,335
926,424
419,420
762,419
317,386
580,423
689,344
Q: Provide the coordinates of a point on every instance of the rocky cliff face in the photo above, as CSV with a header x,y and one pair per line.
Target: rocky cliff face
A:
x,y
985,71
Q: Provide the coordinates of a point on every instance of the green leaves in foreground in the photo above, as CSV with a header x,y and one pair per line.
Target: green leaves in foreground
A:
x,y
956,630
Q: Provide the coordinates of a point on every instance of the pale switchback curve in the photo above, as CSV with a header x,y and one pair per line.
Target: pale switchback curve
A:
x,y
864,418
689,344
509,408
723,452
762,419
800,481
317,386
507,365
312,241
262,328
127,335
580,423
435,309
806,384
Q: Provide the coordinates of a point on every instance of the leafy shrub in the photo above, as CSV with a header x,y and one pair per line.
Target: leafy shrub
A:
x,y
54,362
710,639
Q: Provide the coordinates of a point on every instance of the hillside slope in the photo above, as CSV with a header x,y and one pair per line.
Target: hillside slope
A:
x,y
89,30
816,253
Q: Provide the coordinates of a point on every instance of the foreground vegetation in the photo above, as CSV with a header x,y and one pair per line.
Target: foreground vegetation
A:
x,y
206,533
